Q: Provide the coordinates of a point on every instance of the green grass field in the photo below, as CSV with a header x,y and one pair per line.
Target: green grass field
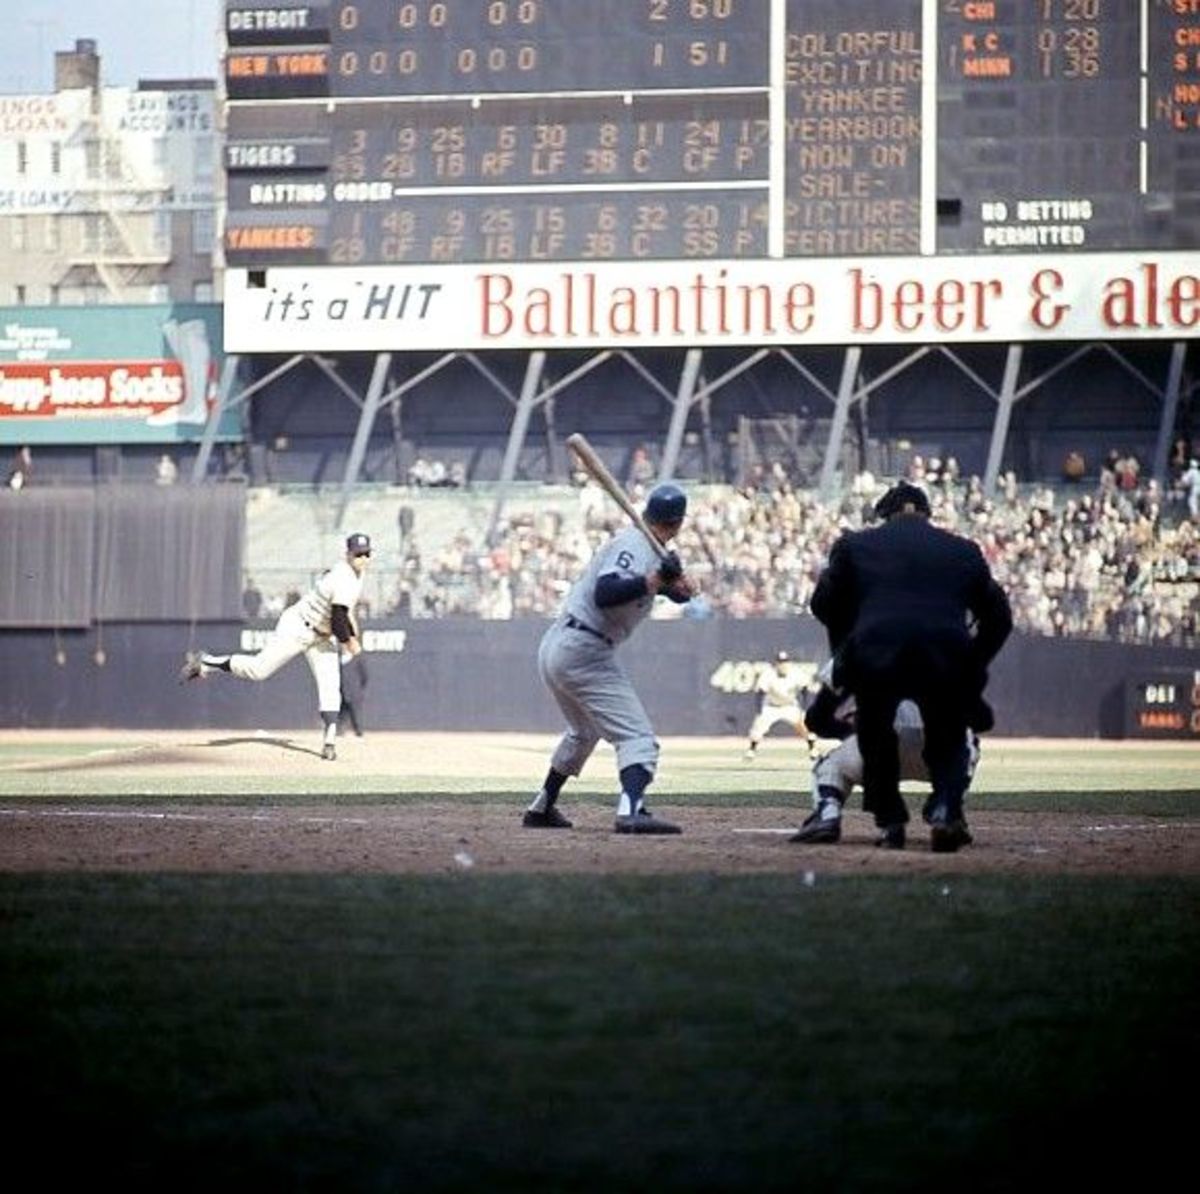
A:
x,y
697,1032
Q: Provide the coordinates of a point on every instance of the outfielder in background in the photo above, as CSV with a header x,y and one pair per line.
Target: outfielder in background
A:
x,y
779,690
320,626
578,663
836,773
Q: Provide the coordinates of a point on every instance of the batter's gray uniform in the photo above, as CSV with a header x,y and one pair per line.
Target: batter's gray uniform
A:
x,y
578,663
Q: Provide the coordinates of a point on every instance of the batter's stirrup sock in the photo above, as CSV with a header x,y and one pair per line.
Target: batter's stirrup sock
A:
x,y
551,786
634,781
219,663
330,720
829,802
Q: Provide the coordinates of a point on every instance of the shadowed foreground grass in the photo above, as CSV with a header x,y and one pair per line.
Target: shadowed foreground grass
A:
x,y
597,1033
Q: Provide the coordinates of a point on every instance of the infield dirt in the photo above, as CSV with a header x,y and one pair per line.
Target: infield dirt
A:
x,y
476,828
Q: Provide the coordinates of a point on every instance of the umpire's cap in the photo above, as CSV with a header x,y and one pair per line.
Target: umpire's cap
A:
x,y
902,498
359,544
666,503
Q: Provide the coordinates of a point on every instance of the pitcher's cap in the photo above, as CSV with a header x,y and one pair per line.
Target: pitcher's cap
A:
x,y
359,544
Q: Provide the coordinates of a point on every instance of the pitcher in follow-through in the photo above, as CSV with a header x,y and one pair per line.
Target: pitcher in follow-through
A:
x,y
320,626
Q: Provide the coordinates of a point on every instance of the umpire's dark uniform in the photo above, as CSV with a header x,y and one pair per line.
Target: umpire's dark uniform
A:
x,y
896,600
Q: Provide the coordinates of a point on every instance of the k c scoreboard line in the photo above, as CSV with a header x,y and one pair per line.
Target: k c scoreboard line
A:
x,y
396,132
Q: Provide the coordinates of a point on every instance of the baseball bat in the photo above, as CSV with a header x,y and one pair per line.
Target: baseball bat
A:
x,y
596,468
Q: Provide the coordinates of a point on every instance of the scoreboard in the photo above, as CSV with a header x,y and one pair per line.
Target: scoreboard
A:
x,y
371,133
1163,704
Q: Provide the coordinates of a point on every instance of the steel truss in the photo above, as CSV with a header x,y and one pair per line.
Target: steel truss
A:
x,y
690,390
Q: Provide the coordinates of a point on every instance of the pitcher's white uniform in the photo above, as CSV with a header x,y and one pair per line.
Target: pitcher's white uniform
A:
x,y
578,663
304,629
315,626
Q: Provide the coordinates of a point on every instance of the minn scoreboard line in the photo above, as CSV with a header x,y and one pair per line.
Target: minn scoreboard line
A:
x,y
453,131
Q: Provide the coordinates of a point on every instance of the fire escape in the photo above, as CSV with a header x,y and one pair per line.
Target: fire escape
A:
x,y
124,244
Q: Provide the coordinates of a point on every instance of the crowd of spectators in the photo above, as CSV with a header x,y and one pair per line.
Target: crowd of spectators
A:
x,y
1107,559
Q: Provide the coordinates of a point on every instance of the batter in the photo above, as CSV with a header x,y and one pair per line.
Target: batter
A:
x,y
578,663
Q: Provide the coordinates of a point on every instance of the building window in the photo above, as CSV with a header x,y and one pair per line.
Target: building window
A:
x,y
112,161
53,234
17,233
203,225
206,158
159,292
162,232
22,157
55,294
55,157
91,158
202,292
160,152
98,234
19,294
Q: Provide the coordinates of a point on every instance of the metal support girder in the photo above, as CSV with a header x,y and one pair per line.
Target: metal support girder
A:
x,y
362,433
841,415
681,406
1166,426
229,370
553,448
516,435
1005,401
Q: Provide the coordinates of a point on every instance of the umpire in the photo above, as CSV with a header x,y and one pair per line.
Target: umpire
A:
x,y
912,611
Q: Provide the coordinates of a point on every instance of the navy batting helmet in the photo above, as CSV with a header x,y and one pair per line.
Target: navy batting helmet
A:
x,y
666,503
901,497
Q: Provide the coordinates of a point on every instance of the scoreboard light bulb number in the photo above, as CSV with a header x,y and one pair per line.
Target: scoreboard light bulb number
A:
x,y
696,10
1160,694
696,54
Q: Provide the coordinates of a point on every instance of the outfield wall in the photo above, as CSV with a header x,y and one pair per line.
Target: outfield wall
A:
x,y
695,677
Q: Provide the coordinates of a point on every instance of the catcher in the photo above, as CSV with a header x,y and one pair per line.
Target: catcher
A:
x,y
838,771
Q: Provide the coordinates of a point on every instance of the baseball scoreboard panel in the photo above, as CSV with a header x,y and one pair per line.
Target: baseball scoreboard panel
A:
x,y
1163,704
372,132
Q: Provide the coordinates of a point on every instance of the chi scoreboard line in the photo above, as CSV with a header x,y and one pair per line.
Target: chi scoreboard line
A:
x,y
384,156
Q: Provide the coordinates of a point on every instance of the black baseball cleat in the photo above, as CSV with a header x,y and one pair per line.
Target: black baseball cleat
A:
x,y
892,837
643,821
329,752
947,833
550,819
817,830
947,837
191,667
